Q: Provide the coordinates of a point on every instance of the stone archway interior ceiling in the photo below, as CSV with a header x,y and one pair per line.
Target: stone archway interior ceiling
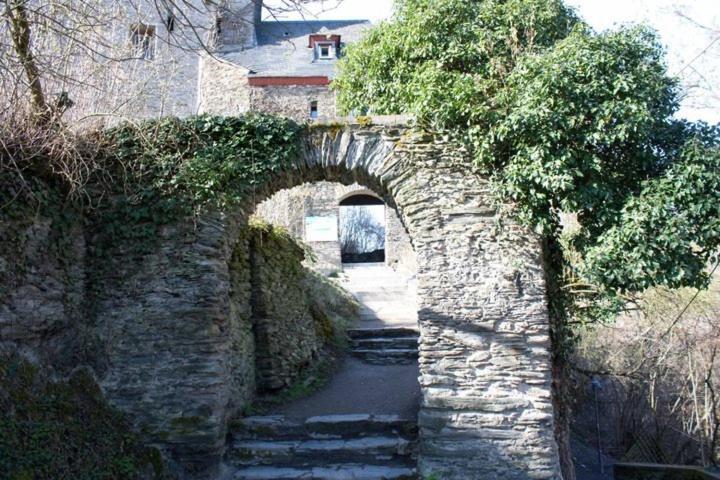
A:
x,y
360,200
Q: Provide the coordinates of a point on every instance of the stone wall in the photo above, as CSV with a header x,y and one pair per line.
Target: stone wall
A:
x,y
321,200
173,329
193,330
166,84
243,346
230,93
288,208
169,321
293,101
42,287
399,253
225,90
236,20
288,336
484,347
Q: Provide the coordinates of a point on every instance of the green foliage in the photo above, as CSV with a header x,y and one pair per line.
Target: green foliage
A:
x,y
669,233
579,127
64,430
564,120
164,169
332,307
278,243
442,60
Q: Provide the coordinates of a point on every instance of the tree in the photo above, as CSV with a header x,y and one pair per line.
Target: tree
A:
x,y
699,74
84,52
360,231
68,66
565,121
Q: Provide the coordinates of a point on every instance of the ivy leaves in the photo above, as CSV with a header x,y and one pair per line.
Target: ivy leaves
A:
x,y
206,161
580,127
442,59
170,168
669,233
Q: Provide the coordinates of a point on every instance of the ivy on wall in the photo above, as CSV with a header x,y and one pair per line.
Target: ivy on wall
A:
x,y
563,120
51,430
144,176
165,169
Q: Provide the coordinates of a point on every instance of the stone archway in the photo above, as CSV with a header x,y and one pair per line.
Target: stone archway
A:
x,y
484,352
361,192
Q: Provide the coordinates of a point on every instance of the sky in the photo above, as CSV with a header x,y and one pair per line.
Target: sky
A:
x,y
689,29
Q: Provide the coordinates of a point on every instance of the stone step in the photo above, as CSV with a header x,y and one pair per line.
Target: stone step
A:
x,y
277,427
390,315
384,343
384,296
365,277
315,453
389,309
379,284
329,472
387,356
377,319
389,332
387,291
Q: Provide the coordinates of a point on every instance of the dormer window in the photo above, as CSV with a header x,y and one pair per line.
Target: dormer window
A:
x,y
325,46
325,50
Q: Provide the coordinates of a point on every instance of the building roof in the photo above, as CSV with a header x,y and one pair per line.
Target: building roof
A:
x,y
283,50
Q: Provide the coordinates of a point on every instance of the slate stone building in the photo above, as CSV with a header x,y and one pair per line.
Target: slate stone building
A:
x,y
275,66
220,57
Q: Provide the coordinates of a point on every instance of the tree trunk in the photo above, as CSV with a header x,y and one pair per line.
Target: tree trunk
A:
x,y
561,406
20,33
557,303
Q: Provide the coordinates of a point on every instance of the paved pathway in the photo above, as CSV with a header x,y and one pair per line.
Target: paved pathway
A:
x,y
363,424
388,300
362,388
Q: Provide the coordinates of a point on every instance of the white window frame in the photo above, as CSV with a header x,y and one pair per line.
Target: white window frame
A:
x,y
330,49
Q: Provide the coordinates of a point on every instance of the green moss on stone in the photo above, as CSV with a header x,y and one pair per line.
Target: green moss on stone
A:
x,y
364,121
65,429
187,425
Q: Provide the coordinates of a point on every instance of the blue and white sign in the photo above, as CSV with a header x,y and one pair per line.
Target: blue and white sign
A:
x,y
321,229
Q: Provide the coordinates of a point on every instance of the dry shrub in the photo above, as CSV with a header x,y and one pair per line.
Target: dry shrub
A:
x,y
660,370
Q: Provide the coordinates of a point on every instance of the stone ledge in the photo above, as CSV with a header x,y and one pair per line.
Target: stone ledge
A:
x,y
366,121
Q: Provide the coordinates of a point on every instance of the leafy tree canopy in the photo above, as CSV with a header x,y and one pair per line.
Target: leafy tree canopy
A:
x,y
564,120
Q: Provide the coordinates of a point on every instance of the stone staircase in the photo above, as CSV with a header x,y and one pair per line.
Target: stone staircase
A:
x,y
332,447
386,297
347,446
385,346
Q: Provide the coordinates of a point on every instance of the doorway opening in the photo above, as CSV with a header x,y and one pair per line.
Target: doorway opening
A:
x,y
362,229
